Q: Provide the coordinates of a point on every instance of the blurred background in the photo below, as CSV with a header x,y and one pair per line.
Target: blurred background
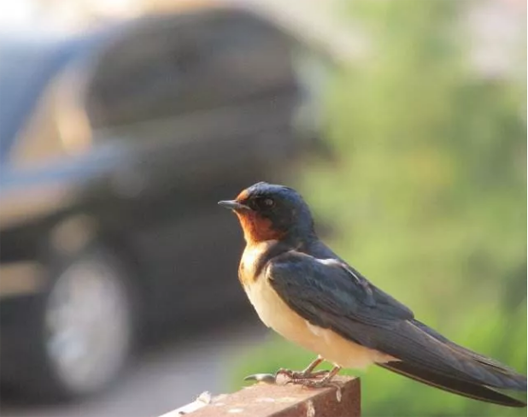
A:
x,y
123,122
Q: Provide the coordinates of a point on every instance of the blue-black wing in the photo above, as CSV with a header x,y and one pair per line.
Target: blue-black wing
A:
x,y
332,295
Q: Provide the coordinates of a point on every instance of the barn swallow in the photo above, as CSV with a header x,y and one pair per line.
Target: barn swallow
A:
x,y
309,295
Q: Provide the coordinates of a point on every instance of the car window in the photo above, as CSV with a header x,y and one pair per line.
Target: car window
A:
x,y
172,66
39,141
24,73
33,113
58,128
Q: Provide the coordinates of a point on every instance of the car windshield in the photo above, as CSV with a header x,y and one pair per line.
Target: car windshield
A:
x,y
25,70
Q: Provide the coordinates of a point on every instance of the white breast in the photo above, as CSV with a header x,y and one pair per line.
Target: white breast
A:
x,y
250,258
274,312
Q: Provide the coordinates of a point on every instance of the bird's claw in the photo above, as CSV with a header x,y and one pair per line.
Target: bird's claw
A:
x,y
286,376
296,375
315,383
325,382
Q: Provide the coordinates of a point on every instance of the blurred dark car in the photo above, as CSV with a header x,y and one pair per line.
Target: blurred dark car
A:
x,y
115,146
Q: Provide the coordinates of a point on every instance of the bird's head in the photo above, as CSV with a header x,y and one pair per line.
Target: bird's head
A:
x,y
271,212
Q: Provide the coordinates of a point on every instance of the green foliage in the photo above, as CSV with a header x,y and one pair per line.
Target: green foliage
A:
x,y
427,197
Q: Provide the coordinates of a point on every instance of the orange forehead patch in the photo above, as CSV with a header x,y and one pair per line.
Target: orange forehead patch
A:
x,y
243,195
257,228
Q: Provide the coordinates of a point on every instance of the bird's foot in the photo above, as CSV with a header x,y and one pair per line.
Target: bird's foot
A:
x,y
324,382
301,375
315,383
286,376
307,373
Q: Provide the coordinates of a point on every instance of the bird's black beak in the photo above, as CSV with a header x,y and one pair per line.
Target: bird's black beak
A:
x,y
232,205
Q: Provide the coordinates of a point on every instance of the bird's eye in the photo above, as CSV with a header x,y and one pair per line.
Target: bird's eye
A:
x,y
268,202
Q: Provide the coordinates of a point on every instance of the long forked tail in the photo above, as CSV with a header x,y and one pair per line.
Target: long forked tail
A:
x,y
452,384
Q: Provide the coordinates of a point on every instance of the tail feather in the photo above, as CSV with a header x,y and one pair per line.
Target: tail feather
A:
x,y
485,370
452,384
